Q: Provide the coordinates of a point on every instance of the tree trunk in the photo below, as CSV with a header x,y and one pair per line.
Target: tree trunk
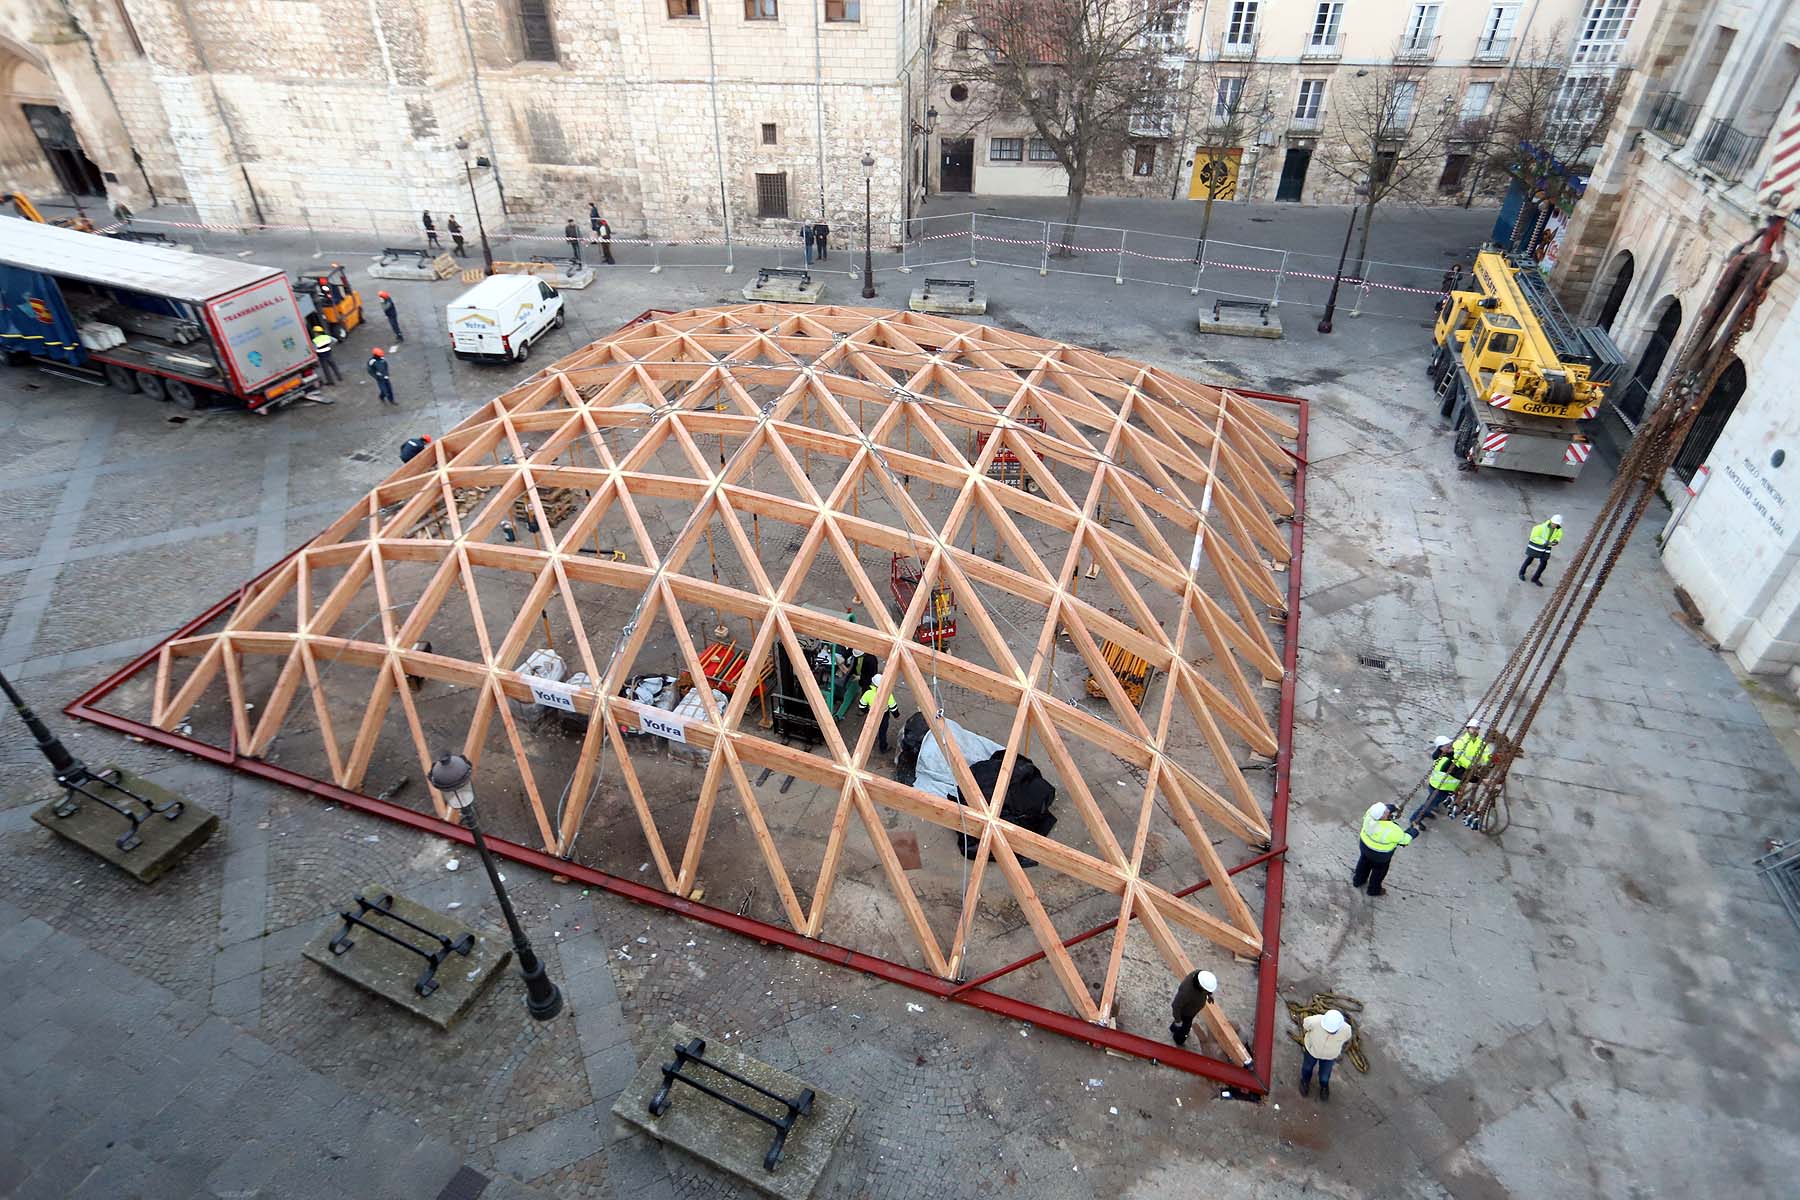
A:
x,y
1205,224
1072,216
1362,243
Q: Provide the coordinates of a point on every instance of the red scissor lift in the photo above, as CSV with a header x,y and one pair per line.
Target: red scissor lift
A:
x,y
939,624
1006,467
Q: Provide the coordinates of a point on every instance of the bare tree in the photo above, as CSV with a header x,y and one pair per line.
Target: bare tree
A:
x,y
1561,109
1232,93
1076,70
1386,128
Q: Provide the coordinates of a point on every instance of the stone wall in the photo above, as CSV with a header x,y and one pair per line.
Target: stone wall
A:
x,y
343,114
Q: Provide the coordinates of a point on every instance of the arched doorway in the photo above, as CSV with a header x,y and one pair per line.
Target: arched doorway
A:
x,y
1704,434
1635,398
1624,267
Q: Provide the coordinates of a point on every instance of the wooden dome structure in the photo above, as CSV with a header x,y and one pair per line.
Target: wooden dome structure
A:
x,y
1072,556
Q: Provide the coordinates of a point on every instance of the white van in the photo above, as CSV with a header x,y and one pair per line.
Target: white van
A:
x,y
499,318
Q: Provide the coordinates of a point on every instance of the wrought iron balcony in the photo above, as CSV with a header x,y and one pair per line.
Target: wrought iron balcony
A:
x,y
1672,118
1307,125
1322,51
1726,151
1493,49
1416,49
1152,124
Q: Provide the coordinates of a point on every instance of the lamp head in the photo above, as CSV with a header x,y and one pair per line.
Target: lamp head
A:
x,y
454,777
462,143
868,165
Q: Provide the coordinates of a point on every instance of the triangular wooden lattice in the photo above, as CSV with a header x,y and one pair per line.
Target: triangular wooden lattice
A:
x,y
1101,535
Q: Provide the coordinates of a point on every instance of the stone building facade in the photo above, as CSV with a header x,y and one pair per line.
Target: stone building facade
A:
x,y
1675,189
679,118
1289,58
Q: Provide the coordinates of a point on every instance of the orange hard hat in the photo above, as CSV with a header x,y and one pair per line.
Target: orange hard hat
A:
x,y
321,279
383,295
378,352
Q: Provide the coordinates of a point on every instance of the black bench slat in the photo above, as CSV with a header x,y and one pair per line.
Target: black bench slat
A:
x,y
958,284
764,274
1260,306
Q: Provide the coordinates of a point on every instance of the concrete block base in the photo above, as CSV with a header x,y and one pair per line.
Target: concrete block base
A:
x,y
557,274
162,843
410,269
949,303
390,971
722,1136
786,291
1240,323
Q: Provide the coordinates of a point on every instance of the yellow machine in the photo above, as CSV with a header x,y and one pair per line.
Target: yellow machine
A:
x,y
21,202
327,297
1515,375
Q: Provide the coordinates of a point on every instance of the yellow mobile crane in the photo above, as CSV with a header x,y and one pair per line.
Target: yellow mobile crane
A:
x,y
25,208
1515,375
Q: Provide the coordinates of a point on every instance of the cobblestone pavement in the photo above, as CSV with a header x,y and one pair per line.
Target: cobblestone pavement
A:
x,y
1566,1010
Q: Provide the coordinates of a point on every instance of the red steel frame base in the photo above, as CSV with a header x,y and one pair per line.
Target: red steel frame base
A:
x,y
1253,1080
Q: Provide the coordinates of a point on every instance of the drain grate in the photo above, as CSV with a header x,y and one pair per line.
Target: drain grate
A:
x,y
1370,660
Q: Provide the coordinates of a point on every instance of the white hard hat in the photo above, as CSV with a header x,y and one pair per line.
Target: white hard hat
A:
x,y
1472,723
1556,519
1207,980
876,681
1332,1021
1440,740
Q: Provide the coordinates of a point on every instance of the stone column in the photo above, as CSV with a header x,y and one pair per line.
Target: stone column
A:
x,y
68,59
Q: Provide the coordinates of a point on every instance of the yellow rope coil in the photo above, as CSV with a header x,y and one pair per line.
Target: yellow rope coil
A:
x,y
1350,1006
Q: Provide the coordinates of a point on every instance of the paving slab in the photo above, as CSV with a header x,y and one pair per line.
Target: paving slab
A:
x,y
720,1135
394,972
161,842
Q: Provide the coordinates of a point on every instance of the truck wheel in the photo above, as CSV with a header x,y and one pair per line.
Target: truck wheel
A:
x,y
152,386
523,352
1432,364
121,379
182,396
1466,433
561,316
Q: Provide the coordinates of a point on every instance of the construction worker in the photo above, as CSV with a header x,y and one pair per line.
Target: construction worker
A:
x,y
378,371
1381,836
412,447
431,237
893,706
328,368
1194,993
461,251
1543,539
572,235
1323,1037
388,311
1440,785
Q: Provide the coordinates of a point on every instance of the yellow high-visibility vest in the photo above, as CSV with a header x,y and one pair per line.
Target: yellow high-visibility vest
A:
x,y
1383,836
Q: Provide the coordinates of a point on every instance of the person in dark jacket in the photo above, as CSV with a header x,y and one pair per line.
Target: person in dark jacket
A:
x,y
806,240
572,235
602,232
393,316
821,236
412,447
431,237
378,371
1193,995
461,250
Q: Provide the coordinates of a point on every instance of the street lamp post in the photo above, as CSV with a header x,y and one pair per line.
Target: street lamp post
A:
x,y
1338,276
868,166
454,777
487,253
